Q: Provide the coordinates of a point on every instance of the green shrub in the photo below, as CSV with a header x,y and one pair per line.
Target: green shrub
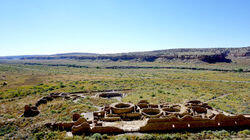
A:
x,y
168,99
166,137
245,132
7,129
96,136
105,136
222,134
148,137
53,111
160,91
39,135
240,70
51,135
122,138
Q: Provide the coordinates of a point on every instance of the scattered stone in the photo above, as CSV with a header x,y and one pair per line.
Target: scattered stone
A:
x,y
211,116
99,114
55,95
142,105
48,98
98,124
110,94
41,101
112,115
194,102
69,134
171,109
199,109
5,83
48,125
81,128
30,111
76,116
131,116
187,118
143,101
80,121
111,119
106,130
67,126
67,97
153,106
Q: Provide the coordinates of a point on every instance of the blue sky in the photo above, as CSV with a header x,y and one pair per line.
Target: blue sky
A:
x,y
111,26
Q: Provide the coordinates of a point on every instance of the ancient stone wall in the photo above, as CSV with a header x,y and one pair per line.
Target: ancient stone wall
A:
x,y
146,117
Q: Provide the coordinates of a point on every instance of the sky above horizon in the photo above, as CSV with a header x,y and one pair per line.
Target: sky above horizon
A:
x,y
113,26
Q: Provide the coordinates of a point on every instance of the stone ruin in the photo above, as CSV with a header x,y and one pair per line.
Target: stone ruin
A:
x,y
146,117
31,111
110,94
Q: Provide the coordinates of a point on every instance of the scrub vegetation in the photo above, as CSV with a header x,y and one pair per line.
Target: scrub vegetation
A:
x,y
23,82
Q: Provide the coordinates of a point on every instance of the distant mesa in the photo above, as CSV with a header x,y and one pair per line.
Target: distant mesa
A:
x,y
77,53
207,55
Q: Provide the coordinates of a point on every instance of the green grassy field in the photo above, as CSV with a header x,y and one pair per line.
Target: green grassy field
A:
x,y
227,91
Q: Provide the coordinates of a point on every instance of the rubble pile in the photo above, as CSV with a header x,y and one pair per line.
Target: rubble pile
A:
x,y
30,111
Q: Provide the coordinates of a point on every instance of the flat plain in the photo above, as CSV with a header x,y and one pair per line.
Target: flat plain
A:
x,y
28,80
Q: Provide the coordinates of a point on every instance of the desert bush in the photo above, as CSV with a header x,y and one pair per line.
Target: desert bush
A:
x,y
96,136
39,135
7,129
148,137
222,134
244,133
240,70
123,138
166,137
105,136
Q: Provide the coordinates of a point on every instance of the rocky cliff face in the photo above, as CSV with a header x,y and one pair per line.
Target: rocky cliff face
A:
x,y
206,55
215,58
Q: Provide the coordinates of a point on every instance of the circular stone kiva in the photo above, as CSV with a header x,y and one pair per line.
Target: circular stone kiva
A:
x,y
119,108
151,112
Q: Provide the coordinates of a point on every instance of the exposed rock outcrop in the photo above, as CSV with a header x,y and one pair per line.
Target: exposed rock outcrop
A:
x,y
215,58
209,55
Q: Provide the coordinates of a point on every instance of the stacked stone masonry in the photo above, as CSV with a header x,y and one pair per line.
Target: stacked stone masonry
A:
x,y
146,117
